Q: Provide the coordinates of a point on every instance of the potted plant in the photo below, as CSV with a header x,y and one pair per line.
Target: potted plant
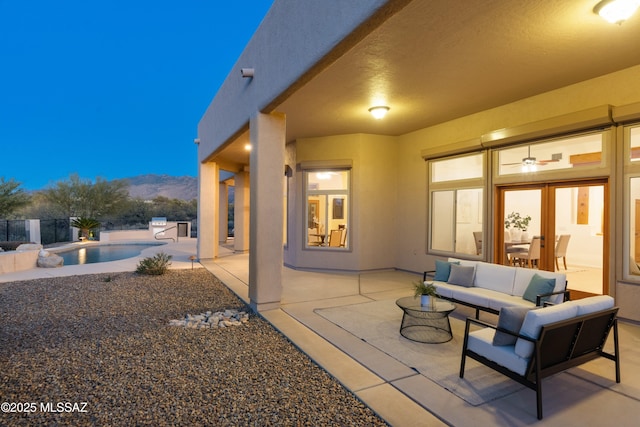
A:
x,y
516,224
427,292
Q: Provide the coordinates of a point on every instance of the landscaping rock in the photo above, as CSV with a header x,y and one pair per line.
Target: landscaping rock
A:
x,y
48,260
208,320
83,339
29,247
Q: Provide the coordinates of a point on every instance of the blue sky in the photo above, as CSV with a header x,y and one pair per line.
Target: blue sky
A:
x,y
112,89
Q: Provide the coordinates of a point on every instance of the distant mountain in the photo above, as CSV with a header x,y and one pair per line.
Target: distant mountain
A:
x,y
148,187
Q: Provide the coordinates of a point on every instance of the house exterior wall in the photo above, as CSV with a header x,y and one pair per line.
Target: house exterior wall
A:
x,y
617,89
387,226
266,213
305,42
208,210
389,191
373,203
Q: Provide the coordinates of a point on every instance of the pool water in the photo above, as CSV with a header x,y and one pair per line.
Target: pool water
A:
x,y
103,253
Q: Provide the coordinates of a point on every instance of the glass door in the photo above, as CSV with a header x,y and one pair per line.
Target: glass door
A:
x,y
520,238
556,227
580,230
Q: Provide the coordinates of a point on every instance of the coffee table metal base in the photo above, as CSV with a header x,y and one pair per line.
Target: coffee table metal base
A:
x,y
431,330
428,324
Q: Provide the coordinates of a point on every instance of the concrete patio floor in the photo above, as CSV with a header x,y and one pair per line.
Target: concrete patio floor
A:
x,y
396,392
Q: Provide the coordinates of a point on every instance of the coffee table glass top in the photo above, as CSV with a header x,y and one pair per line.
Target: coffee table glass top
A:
x,y
413,304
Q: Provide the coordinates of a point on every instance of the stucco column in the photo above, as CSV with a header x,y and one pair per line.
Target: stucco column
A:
x,y
267,134
223,220
208,210
241,214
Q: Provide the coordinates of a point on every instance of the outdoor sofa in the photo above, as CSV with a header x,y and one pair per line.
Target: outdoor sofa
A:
x,y
528,345
489,287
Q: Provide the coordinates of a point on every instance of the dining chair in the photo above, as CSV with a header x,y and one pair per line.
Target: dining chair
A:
x,y
529,257
561,249
477,237
335,238
343,240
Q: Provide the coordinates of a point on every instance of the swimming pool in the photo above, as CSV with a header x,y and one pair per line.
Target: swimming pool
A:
x,y
103,253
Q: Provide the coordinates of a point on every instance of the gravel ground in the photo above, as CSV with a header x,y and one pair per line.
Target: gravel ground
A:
x,y
98,350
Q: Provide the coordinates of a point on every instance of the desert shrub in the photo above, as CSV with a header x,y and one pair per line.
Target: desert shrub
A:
x,y
155,265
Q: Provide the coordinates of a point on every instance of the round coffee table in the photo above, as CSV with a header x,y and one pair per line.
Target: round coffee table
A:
x,y
423,323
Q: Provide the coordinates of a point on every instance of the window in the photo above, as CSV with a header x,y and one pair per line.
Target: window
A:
x,y
457,168
634,143
457,205
576,152
456,216
327,209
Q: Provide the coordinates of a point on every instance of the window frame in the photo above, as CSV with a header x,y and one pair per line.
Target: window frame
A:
x,y
631,172
330,195
455,186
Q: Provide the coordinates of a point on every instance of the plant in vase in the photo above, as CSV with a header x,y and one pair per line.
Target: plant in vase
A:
x,y
517,226
427,292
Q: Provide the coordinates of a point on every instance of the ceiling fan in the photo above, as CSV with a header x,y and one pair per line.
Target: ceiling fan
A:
x,y
529,163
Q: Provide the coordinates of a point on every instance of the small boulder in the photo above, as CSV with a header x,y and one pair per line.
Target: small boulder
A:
x,y
48,260
29,247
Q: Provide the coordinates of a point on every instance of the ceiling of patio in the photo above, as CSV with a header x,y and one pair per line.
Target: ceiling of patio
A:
x,y
435,61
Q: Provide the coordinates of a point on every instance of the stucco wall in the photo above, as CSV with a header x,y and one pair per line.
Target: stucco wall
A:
x,y
620,88
309,36
373,202
616,89
12,261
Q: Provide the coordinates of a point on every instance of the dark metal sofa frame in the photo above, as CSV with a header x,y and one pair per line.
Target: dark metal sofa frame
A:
x,y
539,301
561,345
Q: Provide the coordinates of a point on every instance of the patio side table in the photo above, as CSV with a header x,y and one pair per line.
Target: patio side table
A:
x,y
423,323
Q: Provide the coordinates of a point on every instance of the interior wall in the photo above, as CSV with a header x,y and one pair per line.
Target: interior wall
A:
x,y
372,217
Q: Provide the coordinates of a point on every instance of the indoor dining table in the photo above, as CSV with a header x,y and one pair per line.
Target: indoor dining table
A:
x,y
513,246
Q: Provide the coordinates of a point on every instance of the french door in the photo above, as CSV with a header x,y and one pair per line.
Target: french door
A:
x,y
577,209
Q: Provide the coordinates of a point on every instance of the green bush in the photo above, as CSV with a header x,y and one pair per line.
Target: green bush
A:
x,y
156,265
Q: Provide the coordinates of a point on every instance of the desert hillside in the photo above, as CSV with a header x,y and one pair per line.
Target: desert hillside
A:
x,y
149,187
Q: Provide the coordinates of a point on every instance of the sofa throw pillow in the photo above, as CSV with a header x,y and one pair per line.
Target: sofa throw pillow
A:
x,y
537,286
511,319
462,275
443,269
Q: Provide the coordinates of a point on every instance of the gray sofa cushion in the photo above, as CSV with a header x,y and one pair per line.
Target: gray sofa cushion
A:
x,y
593,304
511,319
534,320
461,275
496,277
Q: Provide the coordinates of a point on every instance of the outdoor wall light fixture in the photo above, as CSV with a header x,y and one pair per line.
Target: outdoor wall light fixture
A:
x,y
616,11
379,111
247,147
